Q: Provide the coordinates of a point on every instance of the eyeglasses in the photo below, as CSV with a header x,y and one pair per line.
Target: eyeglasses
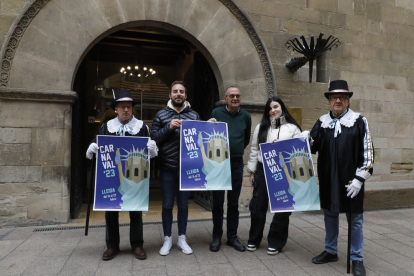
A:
x,y
341,98
231,96
128,107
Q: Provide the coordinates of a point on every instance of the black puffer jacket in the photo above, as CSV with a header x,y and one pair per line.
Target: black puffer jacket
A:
x,y
168,140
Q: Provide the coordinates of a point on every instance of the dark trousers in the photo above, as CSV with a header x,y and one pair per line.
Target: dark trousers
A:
x,y
112,229
279,228
232,202
169,186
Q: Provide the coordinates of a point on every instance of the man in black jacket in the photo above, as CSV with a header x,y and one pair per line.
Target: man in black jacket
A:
x,y
165,131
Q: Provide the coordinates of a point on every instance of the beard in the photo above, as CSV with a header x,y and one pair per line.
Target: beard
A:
x,y
175,104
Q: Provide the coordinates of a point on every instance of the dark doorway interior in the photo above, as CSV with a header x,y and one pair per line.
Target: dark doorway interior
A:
x,y
167,54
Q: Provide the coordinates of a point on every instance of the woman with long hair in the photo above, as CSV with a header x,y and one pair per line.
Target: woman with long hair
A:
x,y
277,124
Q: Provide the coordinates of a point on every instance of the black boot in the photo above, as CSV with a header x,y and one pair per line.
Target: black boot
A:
x,y
358,268
215,245
235,242
325,257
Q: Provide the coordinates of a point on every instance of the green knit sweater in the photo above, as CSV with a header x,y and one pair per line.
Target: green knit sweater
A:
x,y
239,127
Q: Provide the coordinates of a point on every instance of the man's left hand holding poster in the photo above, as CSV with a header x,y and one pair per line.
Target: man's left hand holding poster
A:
x,y
122,174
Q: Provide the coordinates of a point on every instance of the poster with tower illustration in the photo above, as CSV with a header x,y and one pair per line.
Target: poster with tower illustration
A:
x,y
122,174
290,177
205,156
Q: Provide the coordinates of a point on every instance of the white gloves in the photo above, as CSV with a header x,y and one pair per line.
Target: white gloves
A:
x,y
304,135
353,189
152,148
93,149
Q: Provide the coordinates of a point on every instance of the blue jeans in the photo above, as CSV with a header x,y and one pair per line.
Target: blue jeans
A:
x,y
232,202
169,185
332,231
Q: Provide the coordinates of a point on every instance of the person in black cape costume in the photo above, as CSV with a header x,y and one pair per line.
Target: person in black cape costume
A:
x,y
125,124
346,155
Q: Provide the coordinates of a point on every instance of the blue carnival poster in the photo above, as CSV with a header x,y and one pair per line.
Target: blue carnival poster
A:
x,y
290,177
205,156
122,174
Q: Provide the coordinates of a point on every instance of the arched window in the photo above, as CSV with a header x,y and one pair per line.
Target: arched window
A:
x,y
301,172
136,172
294,174
218,152
127,173
310,172
210,154
226,154
145,174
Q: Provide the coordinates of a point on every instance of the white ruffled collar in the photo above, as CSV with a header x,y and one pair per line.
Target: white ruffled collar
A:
x,y
114,124
348,120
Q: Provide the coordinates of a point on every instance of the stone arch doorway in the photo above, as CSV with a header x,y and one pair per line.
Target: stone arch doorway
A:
x,y
166,56
41,57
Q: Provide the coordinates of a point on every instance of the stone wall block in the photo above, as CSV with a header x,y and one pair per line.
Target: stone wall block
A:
x,y
15,135
89,17
346,7
407,155
48,146
409,17
271,9
361,65
326,5
20,174
293,27
300,101
306,15
242,68
374,53
55,179
33,46
14,154
286,87
16,190
406,109
359,7
383,130
54,22
221,26
133,10
39,75
390,155
405,70
202,11
110,11
389,28
156,9
5,23
32,115
377,40
373,26
410,84
400,143
46,207
355,23
406,31
372,80
376,94
178,11
392,14
380,143
381,169
333,19
236,45
406,4
403,96
268,23
350,50
401,57
11,8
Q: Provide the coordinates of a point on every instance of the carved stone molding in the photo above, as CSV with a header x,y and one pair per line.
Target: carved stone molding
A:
x,y
32,9
38,95
17,31
258,43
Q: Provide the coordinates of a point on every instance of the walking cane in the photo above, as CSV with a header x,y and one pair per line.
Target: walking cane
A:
x,y
88,212
348,257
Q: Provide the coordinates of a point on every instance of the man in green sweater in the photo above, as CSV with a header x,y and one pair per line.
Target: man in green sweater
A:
x,y
239,125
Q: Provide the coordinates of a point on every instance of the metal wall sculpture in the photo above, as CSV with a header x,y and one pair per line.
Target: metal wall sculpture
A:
x,y
310,52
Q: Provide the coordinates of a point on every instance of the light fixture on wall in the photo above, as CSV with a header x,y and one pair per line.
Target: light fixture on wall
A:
x,y
136,71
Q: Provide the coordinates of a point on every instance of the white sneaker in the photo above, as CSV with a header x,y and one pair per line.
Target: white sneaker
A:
x,y
165,249
183,245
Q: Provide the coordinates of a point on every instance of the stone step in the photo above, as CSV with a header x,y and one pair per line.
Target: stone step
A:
x,y
389,195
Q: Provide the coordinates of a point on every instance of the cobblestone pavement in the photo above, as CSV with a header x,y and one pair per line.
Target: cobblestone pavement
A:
x,y
388,250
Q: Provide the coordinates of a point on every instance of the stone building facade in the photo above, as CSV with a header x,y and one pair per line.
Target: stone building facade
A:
x,y
43,43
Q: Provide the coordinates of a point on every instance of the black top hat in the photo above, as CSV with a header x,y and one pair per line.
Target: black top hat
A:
x,y
338,87
122,95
